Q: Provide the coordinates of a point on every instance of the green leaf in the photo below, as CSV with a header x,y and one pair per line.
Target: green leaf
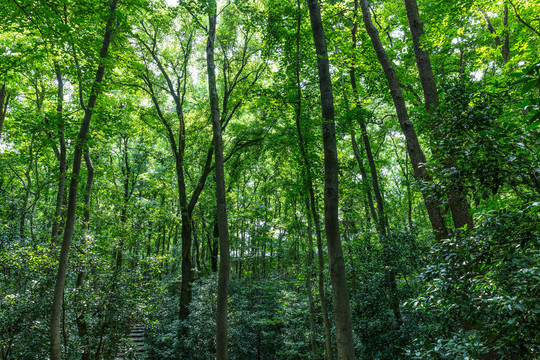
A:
x,y
534,125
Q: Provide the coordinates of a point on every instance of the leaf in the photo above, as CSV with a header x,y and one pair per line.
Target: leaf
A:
x,y
529,86
534,125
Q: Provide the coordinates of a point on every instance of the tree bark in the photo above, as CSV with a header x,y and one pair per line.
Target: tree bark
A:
x,y
342,313
214,245
4,102
458,203
505,44
82,325
308,284
224,257
311,211
416,154
196,245
62,157
54,332
365,184
490,27
380,220
505,49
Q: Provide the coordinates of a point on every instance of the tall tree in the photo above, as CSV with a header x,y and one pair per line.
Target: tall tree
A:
x,y
223,229
311,201
54,332
458,203
60,154
174,72
342,313
418,159
81,318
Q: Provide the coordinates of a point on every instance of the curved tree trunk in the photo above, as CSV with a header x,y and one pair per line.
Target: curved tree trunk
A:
x,y
416,154
380,219
54,331
458,203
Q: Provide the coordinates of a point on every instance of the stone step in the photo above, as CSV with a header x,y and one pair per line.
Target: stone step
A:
x,y
136,336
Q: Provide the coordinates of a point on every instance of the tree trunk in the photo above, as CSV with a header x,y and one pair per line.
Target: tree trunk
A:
x,y
309,185
505,49
505,44
380,220
342,313
82,325
62,157
187,271
4,102
213,245
363,172
54,332
186,207
308,283
312,206
458,203
197,254
416,154
224,260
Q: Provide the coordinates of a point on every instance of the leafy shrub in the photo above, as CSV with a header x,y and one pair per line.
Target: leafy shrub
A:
x,y
482,298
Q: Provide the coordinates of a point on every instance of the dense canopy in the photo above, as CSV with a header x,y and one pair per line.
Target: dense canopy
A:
x,y
269,179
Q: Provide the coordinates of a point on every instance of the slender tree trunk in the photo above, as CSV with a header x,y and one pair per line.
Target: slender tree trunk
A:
x,y
363,172
186,207
416,154
224,260
186,233
380,220
55,350
505,49
22,222
342,313
196,245
213,245
312,206
187,271
62,157
505,44
308,283
82,325
381,226
4,102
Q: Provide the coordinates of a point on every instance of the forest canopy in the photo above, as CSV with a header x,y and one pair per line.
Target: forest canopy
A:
x,y
269,179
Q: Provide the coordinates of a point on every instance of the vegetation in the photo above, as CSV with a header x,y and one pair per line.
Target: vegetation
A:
x,y
270,179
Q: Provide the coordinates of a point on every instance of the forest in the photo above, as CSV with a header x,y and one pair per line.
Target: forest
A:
x,y
269,179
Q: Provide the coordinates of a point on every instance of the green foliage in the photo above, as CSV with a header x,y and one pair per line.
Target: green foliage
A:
x,y
25,286
481,292
529,81
474,295
493,149
267,319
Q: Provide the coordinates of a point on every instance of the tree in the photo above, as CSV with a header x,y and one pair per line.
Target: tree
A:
x,y
418,159
222,224
55,350
457,200
340,293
